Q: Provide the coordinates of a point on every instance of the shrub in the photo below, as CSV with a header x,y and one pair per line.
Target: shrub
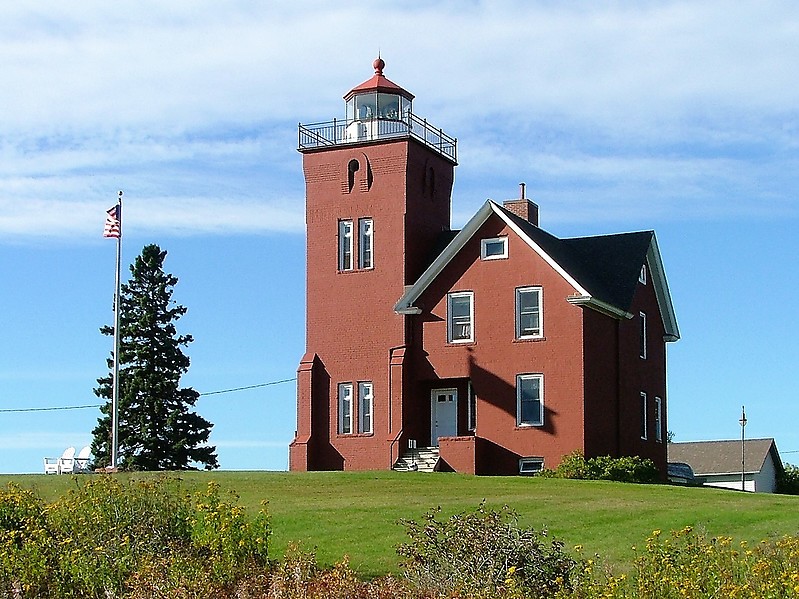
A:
x,y
140,538
788,481
628,469
483,553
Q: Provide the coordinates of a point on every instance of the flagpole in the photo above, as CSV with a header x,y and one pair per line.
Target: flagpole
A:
x,y
115,380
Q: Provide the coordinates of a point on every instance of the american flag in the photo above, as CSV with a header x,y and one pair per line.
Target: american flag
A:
x,y
113,224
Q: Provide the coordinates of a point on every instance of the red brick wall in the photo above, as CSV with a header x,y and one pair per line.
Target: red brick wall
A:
x,y
494,359
350,322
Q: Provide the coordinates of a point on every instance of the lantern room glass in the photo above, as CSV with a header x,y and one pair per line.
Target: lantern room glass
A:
x,y
368,106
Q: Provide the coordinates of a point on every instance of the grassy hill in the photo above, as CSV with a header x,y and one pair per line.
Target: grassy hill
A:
x,y
356,513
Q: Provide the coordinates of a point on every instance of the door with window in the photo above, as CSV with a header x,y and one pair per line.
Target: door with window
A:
x,y
443,414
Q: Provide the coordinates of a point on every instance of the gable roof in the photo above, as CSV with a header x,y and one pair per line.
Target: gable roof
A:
x,y
603,270
724,457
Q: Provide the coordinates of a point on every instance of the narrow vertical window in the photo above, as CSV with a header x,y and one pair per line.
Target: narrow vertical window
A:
x,y
642,275
365,238
643,416
345,245
642,332
658,420
530,399
345,408
460,317
528,312
365,405
472,401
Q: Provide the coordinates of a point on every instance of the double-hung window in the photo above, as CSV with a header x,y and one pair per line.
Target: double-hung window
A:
x,y
345,245
642,334
530,399
365,405
658,420
528,312
643,416
460,317
345,408
365,246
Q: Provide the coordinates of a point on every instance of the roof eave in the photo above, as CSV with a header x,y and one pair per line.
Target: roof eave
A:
x,y
598,305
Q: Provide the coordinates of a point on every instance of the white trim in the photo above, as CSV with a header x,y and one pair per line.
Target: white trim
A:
x,y
485,243
471,401
642,274
539,292
464,335
522,377
658,275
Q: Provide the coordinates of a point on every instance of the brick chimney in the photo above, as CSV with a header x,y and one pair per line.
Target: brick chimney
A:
x,y
526,209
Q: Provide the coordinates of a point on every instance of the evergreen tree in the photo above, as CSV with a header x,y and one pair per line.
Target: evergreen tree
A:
x,y
156,428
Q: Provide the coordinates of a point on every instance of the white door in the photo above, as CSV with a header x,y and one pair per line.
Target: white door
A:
x,y
443,414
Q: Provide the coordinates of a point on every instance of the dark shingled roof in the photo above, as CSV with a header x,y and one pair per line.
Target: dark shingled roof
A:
x,y
724,457
607,266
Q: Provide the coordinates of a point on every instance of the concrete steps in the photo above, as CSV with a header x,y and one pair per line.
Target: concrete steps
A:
x,y
421,459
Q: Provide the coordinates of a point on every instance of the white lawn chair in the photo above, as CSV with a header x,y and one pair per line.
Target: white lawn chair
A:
x,y
66,463
51,465
82,461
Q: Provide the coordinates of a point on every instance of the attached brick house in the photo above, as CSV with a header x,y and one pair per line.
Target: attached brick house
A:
x,y
500,345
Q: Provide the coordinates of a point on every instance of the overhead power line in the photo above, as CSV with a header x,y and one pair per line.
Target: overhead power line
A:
x,y
60,408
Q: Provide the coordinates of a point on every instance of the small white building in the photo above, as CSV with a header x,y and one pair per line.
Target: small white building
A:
x,y
718,463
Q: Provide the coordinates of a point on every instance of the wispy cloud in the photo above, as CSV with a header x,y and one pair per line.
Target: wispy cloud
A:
x,y
190,107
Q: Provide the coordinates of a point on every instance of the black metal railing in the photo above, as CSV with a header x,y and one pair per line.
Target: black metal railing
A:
x,y
340,132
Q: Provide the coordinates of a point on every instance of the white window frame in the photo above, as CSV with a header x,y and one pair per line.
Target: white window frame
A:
x,y
453,325
539,293
658,420
531,466
366,237
644,427
519,380
365,407
345,408
486,243
642,335
345,261
642,275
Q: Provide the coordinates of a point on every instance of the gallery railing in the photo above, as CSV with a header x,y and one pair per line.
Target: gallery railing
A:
x,y
340,132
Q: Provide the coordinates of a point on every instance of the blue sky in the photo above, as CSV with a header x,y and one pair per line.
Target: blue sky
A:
x,y
675,116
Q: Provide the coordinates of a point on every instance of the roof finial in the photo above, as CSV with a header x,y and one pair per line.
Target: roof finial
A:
x,y
379,64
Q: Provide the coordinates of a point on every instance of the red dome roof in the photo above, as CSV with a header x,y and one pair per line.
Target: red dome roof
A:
x,y
378,83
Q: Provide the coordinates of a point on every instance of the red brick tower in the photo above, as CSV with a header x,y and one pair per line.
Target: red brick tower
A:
x,y
378,187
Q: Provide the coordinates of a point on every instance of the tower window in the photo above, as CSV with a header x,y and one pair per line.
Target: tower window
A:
x,y
365,404
345,408
352,168
365,245
345,245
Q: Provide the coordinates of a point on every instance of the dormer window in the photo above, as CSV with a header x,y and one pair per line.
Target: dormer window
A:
x,y
495,248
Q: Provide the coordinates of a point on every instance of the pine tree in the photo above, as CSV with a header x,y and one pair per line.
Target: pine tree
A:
x,y
156,428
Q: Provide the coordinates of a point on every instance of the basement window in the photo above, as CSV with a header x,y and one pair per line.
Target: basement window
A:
x,y
531,466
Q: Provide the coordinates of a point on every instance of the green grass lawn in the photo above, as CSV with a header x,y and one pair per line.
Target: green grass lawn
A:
x,y
356,513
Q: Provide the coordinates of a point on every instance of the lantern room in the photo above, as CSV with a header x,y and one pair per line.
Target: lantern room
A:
x,y
378,98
